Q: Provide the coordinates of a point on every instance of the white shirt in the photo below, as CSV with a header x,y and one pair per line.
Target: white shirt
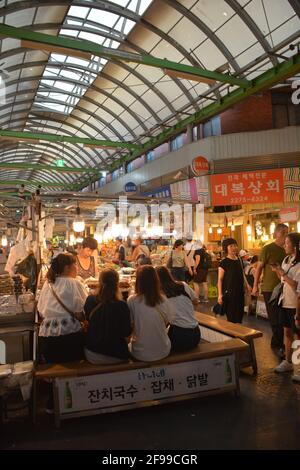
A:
x,y
57,321
150,341
183,310
190,248
289,295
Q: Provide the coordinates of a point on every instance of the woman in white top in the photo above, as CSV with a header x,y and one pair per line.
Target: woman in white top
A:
x,y
61,299
184,331
150,314
289,273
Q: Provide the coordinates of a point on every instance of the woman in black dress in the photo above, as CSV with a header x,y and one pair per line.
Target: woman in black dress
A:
x,y
231,282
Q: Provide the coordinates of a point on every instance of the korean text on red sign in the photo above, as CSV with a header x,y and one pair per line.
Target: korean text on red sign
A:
x,y
251,187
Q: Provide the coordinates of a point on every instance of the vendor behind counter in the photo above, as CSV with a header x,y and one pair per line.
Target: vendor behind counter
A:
x,y
85,261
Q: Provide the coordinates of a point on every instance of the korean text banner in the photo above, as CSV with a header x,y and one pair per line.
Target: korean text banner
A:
x,y
251,187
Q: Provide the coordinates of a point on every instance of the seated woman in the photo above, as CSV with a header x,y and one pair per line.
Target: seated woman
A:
x,y
61,298
109,322
184,331
150,314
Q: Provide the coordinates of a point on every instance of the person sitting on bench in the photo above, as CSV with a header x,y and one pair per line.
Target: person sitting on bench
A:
x,y
184,331
60,303
150,315
109,322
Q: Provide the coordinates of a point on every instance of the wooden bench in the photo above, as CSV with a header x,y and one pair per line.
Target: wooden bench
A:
x,y
82,389
224,329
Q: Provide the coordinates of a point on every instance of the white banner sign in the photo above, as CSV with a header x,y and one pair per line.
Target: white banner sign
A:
x,y
120,388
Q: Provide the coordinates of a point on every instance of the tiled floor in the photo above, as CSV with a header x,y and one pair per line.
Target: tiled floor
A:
x,y
266,416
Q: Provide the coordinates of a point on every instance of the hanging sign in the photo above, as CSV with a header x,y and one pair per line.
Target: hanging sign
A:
x,y
130,187
251,187
200,166
288,215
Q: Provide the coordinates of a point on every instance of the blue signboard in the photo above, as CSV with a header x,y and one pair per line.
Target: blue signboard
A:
x,y
130,187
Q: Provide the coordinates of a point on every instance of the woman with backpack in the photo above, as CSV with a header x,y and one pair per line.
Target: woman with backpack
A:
x,y
202,264
289,274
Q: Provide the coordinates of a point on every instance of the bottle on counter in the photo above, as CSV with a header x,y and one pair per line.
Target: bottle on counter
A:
x,y
228,372
68,396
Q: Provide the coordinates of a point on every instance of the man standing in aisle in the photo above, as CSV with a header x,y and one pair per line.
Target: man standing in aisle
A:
x,y
272,254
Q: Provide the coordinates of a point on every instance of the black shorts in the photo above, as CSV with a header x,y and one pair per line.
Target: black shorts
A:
x,y
287,319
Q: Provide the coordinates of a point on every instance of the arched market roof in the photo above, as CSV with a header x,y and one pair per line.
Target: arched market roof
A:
x,y
107,98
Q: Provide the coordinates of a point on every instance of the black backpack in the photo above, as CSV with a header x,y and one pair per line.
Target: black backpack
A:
x,y
206,262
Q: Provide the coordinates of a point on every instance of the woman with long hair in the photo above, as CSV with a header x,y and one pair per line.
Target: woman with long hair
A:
x,y
109,322
150,315
289,274
60,305
184,332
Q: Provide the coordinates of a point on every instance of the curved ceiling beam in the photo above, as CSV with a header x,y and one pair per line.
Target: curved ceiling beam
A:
x,y
76,95
123,41
120,64
73,46
207,31
16,153
146,82
91,87
247,19
78,148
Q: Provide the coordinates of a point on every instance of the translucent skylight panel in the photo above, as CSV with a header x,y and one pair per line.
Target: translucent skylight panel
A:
x,y
143,6
128,26
103,17
97,38
76,61
52,71
69,32
236,36
213,13
80,12
64,85
278,12
286,30
68,74
57,58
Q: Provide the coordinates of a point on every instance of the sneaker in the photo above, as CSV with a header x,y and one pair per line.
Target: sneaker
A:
x,y
296,377
284,366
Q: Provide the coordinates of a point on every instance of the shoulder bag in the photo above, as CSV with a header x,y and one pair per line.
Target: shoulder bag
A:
x,y
277,292
82,319
247,296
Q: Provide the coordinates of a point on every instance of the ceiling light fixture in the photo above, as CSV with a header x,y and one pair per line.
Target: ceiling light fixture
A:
x,y
78,224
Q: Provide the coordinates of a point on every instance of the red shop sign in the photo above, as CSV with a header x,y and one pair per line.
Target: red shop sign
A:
x,y
200,166
251,187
